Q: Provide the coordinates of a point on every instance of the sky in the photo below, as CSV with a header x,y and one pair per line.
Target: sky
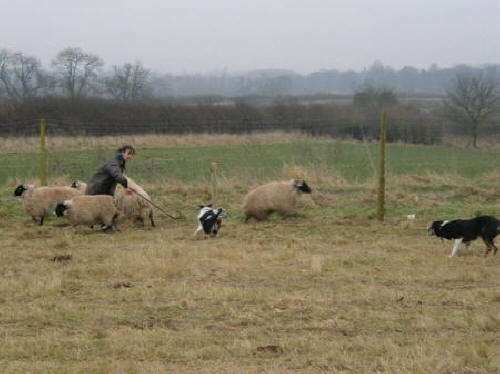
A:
x,y
209,36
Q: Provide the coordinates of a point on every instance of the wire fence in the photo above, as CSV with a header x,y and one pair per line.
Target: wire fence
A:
x,y
404,130
252,160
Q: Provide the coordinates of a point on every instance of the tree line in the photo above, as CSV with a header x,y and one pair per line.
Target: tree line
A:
x,y
75,73
78,98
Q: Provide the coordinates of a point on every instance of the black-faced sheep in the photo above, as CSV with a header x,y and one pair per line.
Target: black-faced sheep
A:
x,y
131,205
40,202
79,186
89,210
279,197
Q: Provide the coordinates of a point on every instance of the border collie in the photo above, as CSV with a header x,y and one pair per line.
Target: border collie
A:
x,y
466,230
209,220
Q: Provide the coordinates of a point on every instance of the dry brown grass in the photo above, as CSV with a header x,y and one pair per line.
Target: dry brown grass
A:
x,y
326,290
57,143
32,144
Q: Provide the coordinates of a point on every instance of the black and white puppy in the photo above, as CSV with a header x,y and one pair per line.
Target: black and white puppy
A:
x,y
209,220
466,230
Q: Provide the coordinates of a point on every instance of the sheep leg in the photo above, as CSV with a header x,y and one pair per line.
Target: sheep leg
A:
x,y
152,220
41,220
114,226
110,229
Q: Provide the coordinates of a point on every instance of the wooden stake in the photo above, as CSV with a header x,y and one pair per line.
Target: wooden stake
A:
x,y
381,177
43,155
213,178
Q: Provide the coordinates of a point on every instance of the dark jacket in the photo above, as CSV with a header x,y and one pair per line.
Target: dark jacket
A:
x,y
104,181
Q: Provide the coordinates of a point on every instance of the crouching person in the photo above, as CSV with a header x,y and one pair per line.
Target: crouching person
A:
x,y
109,175
105,179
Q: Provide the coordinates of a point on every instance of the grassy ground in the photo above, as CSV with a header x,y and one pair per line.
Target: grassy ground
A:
x,y
182,159
326,290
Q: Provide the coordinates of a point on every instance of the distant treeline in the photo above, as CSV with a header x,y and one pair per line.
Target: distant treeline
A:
x,y
75,73
408,80
100,117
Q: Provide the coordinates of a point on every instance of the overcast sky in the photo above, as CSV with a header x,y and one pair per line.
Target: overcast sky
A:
x,y
200,36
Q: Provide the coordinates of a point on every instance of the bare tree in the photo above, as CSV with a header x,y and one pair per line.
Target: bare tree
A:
x,y
374,100
77,70
472,100
129,82
20,75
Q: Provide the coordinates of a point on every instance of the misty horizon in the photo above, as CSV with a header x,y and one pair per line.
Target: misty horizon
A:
x,y
222,35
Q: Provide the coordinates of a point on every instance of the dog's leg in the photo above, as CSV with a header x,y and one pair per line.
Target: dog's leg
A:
x,y
488,247
198,229
455,247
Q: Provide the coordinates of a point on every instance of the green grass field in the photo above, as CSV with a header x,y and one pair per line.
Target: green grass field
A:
x,y
329,289
355,162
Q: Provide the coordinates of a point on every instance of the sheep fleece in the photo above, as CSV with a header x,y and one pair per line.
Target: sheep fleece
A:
x,y
42,201
88,210
131,205
279,197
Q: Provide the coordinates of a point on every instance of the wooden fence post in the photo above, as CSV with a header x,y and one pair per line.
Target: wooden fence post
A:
x,y
381,176
43,155
213,178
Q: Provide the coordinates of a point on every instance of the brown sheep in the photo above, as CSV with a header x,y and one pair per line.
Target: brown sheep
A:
x,y
279,197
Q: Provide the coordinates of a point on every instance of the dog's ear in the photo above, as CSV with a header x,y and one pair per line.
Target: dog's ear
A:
x,y
209,205
201,206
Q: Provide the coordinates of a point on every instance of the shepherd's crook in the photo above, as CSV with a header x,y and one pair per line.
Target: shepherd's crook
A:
x,y
181,216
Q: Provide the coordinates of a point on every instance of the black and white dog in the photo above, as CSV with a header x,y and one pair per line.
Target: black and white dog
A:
x,y
466,230
209,220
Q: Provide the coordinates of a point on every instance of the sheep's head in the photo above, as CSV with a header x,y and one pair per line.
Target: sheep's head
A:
x,y
79,185
301,185
19,191
60,209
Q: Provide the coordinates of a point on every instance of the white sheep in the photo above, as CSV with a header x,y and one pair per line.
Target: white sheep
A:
x,y
279,197
79,186
89,210
131,204
40,202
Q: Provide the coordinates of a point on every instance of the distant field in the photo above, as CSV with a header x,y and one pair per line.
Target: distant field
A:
x,y
355,162
328,289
